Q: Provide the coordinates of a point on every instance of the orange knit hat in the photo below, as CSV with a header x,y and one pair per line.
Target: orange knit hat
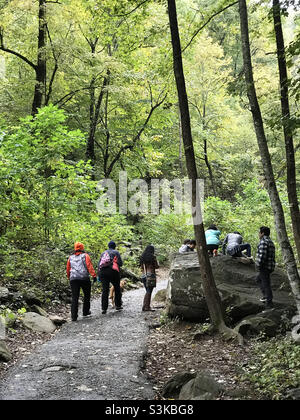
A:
x,y
78,246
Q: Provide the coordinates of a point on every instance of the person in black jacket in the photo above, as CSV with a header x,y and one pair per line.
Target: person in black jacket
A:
x,y
265,264
109,272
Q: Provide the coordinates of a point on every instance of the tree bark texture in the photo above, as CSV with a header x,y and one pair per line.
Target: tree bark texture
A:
x,y
287,129
41,67
210,290
286,249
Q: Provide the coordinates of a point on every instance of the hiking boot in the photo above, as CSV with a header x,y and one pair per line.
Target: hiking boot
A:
x,y
104,312
119,308
89,314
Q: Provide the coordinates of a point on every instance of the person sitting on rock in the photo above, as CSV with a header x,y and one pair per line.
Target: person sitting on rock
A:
x,y
192,245
185,247
235,246
212,236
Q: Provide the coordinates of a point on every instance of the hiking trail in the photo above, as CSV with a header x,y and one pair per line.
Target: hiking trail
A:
x,y
96,358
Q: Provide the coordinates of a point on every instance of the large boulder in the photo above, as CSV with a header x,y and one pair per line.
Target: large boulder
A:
x,y
38,323
236,283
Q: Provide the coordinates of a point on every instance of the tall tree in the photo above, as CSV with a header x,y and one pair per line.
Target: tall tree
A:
x,y
41,96
210,290
287,125
41,67
283,239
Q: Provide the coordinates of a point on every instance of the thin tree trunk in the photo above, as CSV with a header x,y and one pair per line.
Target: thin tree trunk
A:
x,y
41,68
205,151
285,245
286,121
210,290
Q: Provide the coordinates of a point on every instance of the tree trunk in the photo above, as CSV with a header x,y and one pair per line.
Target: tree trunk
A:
x,y
41,67
205,151
285,245
210,290
287,129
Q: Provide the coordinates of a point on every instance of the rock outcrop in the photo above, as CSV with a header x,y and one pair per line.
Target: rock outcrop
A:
x,y
236,283
38,323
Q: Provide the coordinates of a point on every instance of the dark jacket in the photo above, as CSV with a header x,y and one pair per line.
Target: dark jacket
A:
x,y
112,253
265,257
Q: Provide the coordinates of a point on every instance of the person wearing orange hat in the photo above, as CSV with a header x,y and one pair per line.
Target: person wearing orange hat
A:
x,y
79,269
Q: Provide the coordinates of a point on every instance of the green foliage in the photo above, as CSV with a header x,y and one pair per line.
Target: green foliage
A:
x,y
166,232
41,188
275,368
250,210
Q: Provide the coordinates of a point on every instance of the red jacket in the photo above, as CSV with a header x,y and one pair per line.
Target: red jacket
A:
x,y
88,264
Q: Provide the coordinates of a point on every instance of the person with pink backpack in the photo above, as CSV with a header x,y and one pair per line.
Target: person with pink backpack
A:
x,y
109,272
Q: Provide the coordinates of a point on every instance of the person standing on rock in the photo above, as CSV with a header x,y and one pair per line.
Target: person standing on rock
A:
x,y
109,272
148,264
79,269
265,264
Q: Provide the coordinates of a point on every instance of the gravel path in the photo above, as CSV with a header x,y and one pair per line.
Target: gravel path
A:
x,y
97,358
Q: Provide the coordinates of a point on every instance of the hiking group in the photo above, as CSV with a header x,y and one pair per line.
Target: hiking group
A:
x,y
80,268
234,246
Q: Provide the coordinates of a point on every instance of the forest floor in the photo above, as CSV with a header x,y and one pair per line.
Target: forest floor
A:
x,y
131,354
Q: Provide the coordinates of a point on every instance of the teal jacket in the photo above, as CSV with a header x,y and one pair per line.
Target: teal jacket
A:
x,y
213,237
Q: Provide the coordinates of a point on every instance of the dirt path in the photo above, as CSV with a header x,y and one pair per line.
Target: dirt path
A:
x,y
97,358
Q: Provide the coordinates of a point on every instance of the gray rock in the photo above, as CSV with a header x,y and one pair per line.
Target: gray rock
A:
x,y
57,320
173,386
5,354
39,310
160,296
202,387
236,283
31,298
4,294
255,324
293,394
38,323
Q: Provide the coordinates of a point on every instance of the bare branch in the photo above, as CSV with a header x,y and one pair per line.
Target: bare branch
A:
x,y
207,22
9,51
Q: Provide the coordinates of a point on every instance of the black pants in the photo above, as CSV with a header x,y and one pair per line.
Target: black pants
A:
x,y
86,286
107,276
264,281
211,248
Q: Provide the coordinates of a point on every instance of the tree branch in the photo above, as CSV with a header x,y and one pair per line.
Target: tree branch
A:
x,y
9,51
136,138
207,22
